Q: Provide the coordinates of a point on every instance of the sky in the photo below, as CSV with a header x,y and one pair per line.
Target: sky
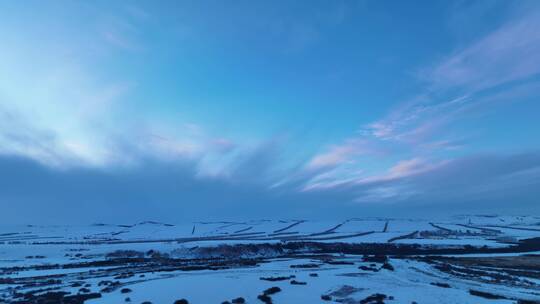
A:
x,y
176,110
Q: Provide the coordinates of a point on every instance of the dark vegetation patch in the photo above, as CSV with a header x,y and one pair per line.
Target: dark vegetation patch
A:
x,y
375,258
124,254
310,265
483,229
272,290
265,299
511,270
527,302
111,286
265,296
377,298
336,262
56,297
299,247
126,275
368,268
387,266
438,284
344,291
35,257
274,279
486,295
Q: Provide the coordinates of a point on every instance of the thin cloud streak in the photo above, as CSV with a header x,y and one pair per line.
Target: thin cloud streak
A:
x,y
419,128
492,60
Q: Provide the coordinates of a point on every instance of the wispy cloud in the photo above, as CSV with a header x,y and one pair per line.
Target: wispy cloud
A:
x,y
419,130
339,154
510,53
403,169
416,120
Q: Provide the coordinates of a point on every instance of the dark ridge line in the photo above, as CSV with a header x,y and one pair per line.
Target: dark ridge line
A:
x,y
301,238
331,230
232,237
126,226
154,223
229,225
288,227
243,230
29,238
218,222
440,228
283,233
13,233
246,234
251,236
403,237
340,237
515,228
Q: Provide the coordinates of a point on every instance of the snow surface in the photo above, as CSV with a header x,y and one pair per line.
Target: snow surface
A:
x,y
49,245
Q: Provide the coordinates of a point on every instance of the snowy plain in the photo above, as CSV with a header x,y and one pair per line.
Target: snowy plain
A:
x,y
311,261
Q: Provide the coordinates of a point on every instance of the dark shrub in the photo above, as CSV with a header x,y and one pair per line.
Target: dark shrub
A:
x,y
272,290
273,279
375,258
388,266
443,285
265,298
486,295
374,298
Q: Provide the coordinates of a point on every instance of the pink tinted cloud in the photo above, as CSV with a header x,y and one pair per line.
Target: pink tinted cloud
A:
x,y
338,154
403,169
492,59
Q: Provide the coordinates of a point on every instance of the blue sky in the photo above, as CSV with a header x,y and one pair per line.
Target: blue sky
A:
x,y
256,108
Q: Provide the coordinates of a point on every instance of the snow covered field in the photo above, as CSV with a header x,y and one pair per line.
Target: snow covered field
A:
x,y
465,259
